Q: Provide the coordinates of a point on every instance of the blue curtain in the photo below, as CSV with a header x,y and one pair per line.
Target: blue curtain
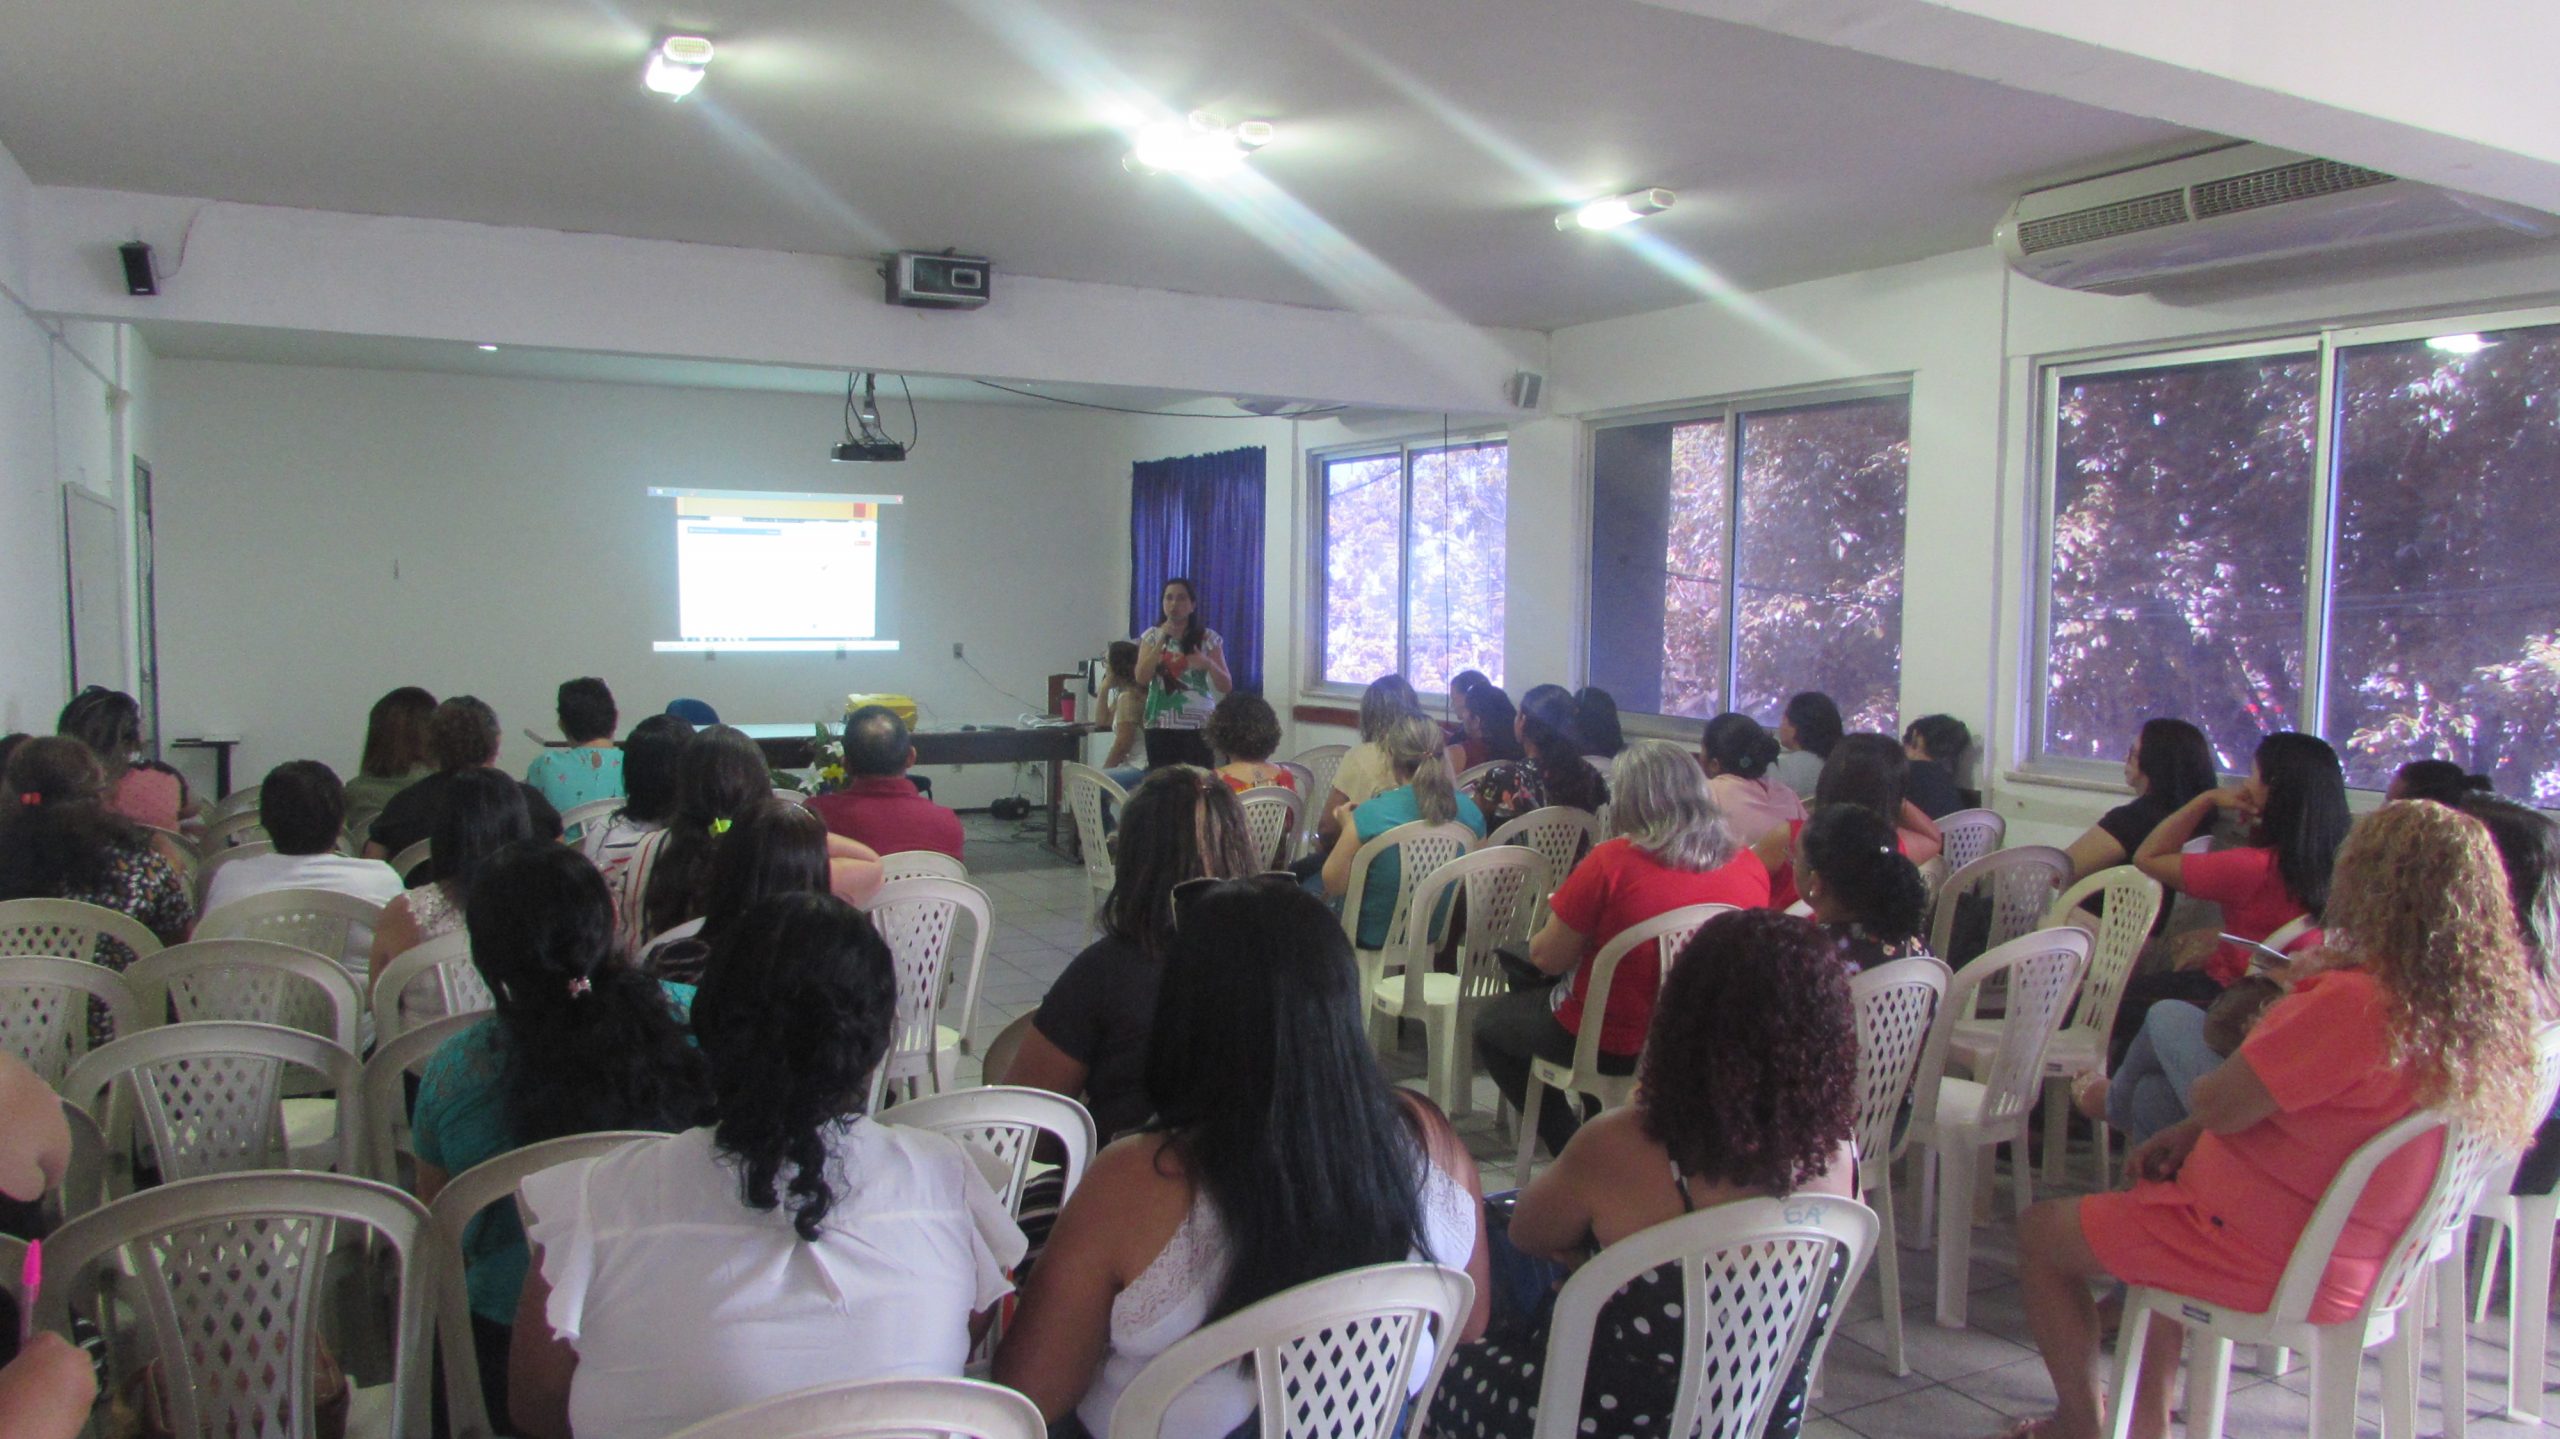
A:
x,y
1201,516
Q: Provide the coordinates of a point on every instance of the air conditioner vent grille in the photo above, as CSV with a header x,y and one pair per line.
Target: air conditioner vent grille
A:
x,y
2103,222
2281,185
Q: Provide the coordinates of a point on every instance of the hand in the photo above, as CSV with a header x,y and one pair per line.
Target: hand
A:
x,y
2160,1157
1213,643
2236,799
1342,816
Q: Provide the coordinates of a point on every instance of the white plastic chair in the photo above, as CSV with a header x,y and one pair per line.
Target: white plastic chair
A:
x,y
449,1217
920,864
239,801
255,981
882,1409
210,1095
44,1010
1466,780
1306,778
213,863
2335,1349
385,1093
788,795
1968,834
2132,902
69,929
1322,765
2520,1225
575,819
917,917
1329,1359
1007,1121
1607,764
84,1172
1670,930
323,921
1751,1280
1501,884
1087,787
2020,884
1959,1120
238,827
458,982
1561,835
1420,847
1271,816
231,1273
409,860
1897,1005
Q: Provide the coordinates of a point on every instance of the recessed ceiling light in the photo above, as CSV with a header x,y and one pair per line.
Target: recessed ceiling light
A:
x,y
1617,210
2459,344
488,347
676,66
1197,144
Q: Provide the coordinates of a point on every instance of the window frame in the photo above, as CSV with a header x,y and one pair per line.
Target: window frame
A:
x,y
2324,343
1403,448
1731,411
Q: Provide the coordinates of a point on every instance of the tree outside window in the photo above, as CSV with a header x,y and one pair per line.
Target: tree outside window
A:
x,y
1414,559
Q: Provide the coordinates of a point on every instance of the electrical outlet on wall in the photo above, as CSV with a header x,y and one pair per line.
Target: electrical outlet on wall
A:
x,y
955,650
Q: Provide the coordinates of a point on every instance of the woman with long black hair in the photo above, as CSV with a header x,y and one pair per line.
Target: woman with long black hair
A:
x,y
1183,664
1279,1154
1807,730
1551,769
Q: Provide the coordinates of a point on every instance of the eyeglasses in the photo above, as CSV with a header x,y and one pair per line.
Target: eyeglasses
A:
x,y
1187,894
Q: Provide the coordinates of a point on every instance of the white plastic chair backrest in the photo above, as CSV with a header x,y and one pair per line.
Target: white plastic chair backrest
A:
x,y
84,1172
69,929
1968,834
1559,833
1007,1121
181,850
882,1409
918,918
449,1216
324,921
1896,1004
920,864
409,860
2132,903
2043,971
1466,780
1271,820
2020,883
228,1276
386,1095
2546,1079
237,828
1421,847
1086,787
1329,1359
2464,1162
1502,884
256,981
247,849
1670,929
236,802
2201,844
210,1095
1607,764
1321,763
1752,1274
791,796
575,819
1306,779
44,1010
1677,939
458,979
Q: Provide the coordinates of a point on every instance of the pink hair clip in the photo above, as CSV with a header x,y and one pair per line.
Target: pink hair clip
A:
x,y
580,985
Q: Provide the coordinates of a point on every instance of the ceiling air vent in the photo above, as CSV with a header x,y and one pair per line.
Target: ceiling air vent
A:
x,y
2104,222
2281,185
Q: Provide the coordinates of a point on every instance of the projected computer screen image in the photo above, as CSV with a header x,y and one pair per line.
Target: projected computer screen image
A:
x,y
774,570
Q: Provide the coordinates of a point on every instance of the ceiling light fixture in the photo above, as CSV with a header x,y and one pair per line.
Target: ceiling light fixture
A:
x,y
488,347
1617,210
2458,344
1197,144
676,66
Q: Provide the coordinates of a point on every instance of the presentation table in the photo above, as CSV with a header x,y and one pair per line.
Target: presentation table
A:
x,y
795,746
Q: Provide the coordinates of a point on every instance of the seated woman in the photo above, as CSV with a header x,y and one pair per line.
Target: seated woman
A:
x,y
395,754
1865,895
1242,732
649,756
579,1042
483,812
1365,771
1935,745
2528,844
773,847
1737,755
462,737
1422,792
1865,770
2170,763
1551,770
2424,998
795,1241
2440,780
1260,1076
1488,727
1124,705
109,722
1749,1091
1088,1039
61,841
1596,716
1672,850
1807,729
589,767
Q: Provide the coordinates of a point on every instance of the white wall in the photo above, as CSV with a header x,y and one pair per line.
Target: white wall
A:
x,y
328,534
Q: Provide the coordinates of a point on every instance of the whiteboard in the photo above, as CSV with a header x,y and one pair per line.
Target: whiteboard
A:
x,y
93,587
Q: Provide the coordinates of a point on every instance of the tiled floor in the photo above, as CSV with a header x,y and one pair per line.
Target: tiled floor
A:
x,y
1963,1383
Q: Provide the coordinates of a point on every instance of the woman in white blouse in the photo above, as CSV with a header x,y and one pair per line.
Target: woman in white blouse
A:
x,y
1279,1154
795,1242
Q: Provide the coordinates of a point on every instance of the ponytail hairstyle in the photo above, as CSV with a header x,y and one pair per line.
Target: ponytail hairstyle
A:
x,y
798,1003
773,847
1857,855
1412,746
2440,780
589,1043
1600,730
1495,720
56,833
1739,746
2305,818
650,754
1387,699
395,733
1817,722
720,773
484,812
108,722
1193,627
1864,769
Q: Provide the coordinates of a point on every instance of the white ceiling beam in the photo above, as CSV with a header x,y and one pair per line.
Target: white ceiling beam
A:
x,y
2455,93
333,273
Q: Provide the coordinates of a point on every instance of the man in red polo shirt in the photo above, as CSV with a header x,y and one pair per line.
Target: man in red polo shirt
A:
x,y
879,805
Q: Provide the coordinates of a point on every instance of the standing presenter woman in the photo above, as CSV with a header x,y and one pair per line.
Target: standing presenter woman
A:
x,y
1183,664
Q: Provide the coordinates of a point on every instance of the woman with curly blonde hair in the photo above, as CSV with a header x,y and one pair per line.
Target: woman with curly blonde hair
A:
x,y
2421,999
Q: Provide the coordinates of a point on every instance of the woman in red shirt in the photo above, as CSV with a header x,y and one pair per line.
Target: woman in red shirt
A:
x,y
1672,849
2422,998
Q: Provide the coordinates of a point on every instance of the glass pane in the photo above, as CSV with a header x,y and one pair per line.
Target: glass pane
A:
x,y
1630,632
2182,516
2444,619
1818,565
1363,566
1457,551
1693,629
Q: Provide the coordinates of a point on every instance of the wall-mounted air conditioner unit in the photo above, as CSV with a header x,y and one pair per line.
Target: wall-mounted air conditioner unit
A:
x,y
2228,206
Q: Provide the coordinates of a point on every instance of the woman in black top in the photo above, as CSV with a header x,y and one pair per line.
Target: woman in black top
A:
x,y
1552,771
2168,765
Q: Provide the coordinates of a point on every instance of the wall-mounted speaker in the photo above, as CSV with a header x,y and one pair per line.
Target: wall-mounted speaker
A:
x,y
138,279
1525,389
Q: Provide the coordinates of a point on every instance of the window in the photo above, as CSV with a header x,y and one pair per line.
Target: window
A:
x,y
1745,553
1413,554
2219,553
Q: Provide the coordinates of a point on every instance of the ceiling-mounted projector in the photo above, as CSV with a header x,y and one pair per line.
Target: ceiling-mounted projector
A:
x,y
852,450
864,440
